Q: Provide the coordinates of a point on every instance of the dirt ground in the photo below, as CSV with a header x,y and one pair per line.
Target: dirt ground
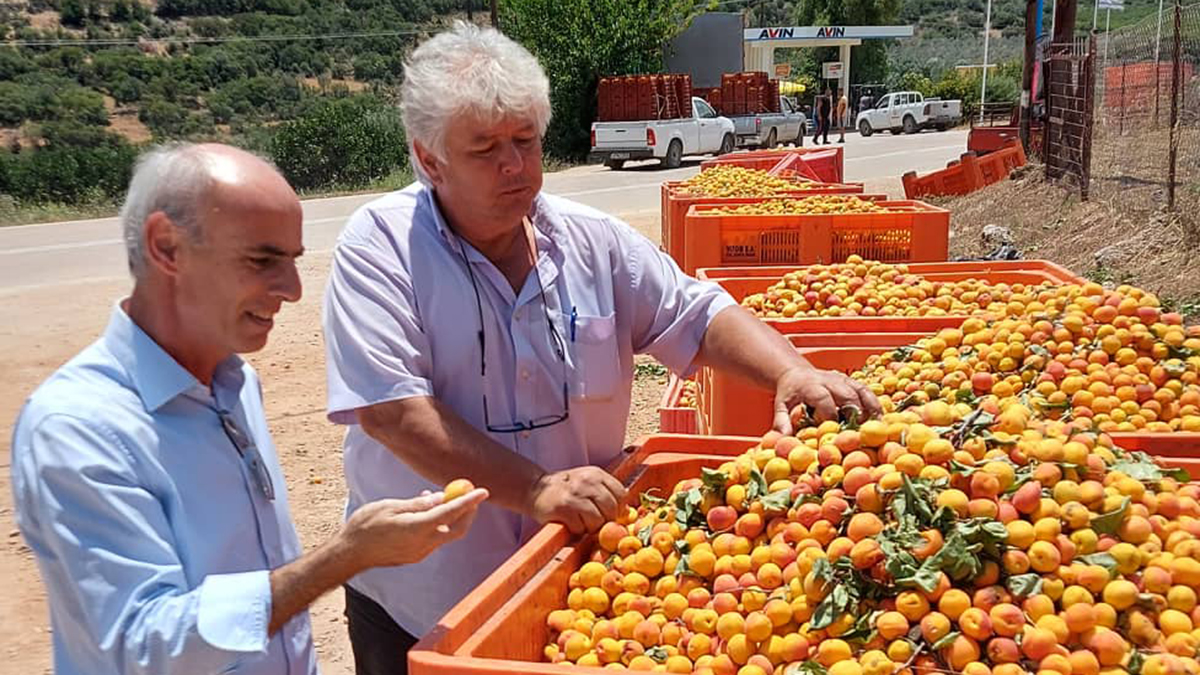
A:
x,y
46,326
1118,236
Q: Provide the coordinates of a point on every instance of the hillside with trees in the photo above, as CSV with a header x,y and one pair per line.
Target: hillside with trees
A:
x,y
84,82
312,83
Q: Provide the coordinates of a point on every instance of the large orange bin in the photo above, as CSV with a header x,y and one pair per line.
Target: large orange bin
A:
x,y
828,162
675,205
747,160
907,231
501,626
825,164
937,271
1010,272
731,405
673,416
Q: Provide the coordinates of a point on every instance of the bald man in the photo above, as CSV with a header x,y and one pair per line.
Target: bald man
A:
x,y
145,479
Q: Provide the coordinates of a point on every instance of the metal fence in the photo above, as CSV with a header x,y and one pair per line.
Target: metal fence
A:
x,y
1068,127
1146,139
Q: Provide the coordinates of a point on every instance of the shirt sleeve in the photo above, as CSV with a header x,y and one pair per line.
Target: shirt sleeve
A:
x,y
106,552
376,349
672,310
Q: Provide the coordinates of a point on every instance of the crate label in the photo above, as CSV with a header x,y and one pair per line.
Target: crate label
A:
x,y
739,247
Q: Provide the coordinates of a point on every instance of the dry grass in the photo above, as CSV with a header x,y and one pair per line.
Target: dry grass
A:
x,y
1138,240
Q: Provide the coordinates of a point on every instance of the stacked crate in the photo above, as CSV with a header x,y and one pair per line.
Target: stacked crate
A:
x,y
629,98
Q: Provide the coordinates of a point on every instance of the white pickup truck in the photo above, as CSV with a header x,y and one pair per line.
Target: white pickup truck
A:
x,y
767,130
705,132
910,112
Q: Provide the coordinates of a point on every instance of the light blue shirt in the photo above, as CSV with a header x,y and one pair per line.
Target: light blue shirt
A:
x,y
401,320
153,538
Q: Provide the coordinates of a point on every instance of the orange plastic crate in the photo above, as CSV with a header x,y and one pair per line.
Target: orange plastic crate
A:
x,y
500,627
674,207
674,418
909,231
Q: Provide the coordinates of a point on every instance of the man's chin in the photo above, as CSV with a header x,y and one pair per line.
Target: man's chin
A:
x,y
250,343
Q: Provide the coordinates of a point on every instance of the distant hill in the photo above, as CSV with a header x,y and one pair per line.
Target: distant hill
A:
x,y
183,68
948,33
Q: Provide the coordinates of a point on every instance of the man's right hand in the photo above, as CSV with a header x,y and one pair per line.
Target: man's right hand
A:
x,y
403,531
583,498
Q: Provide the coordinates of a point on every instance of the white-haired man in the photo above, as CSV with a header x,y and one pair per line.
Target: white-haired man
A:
x,y
145,479
476,326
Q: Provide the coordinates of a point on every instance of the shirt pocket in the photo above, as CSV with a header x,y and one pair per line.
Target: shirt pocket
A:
x,y
597,359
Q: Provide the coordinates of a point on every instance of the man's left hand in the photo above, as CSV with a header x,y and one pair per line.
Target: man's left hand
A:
x,y
826,394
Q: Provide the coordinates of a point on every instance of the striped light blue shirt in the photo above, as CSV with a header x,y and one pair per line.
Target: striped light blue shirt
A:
x,y
152,535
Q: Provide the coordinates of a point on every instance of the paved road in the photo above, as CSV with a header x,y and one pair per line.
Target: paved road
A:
x,y
77,251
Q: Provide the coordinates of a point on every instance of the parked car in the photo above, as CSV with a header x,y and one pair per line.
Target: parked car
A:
x,y
705,132
767,130
909,112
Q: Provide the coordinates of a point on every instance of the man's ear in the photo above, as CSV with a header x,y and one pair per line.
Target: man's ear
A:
x,y
429,163
161,243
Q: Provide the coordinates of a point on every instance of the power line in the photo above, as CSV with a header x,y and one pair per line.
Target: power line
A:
x,y
110,42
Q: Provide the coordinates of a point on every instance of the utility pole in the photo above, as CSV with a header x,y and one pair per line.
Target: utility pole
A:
x,y
495,16
1064,21
987,33
1027,70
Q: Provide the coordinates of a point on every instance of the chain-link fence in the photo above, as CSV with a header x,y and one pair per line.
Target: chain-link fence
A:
x,y
1146,139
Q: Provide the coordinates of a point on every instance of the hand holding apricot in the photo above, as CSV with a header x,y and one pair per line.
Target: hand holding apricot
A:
x,y
456,488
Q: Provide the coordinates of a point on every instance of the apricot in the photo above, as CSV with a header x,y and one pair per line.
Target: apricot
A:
x,y
456,488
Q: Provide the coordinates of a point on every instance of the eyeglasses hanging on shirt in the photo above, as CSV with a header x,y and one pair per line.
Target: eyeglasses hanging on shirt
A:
x,y
555,340
248,451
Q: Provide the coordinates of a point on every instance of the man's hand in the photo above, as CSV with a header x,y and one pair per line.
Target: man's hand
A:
x,y
583,499
403,531
825,393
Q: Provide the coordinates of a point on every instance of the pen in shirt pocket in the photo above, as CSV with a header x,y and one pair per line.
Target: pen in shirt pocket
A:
x,y
574,317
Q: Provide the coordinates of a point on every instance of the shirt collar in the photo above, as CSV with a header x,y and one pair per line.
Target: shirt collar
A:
x,y
157,376
548,228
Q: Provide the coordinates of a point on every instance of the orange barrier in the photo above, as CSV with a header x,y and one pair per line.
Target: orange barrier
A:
x,y
500,627
960,177
907,231
673,417
968,174
995,166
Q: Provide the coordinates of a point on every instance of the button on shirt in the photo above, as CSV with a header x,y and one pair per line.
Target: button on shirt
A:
x,y
153,537
400,321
